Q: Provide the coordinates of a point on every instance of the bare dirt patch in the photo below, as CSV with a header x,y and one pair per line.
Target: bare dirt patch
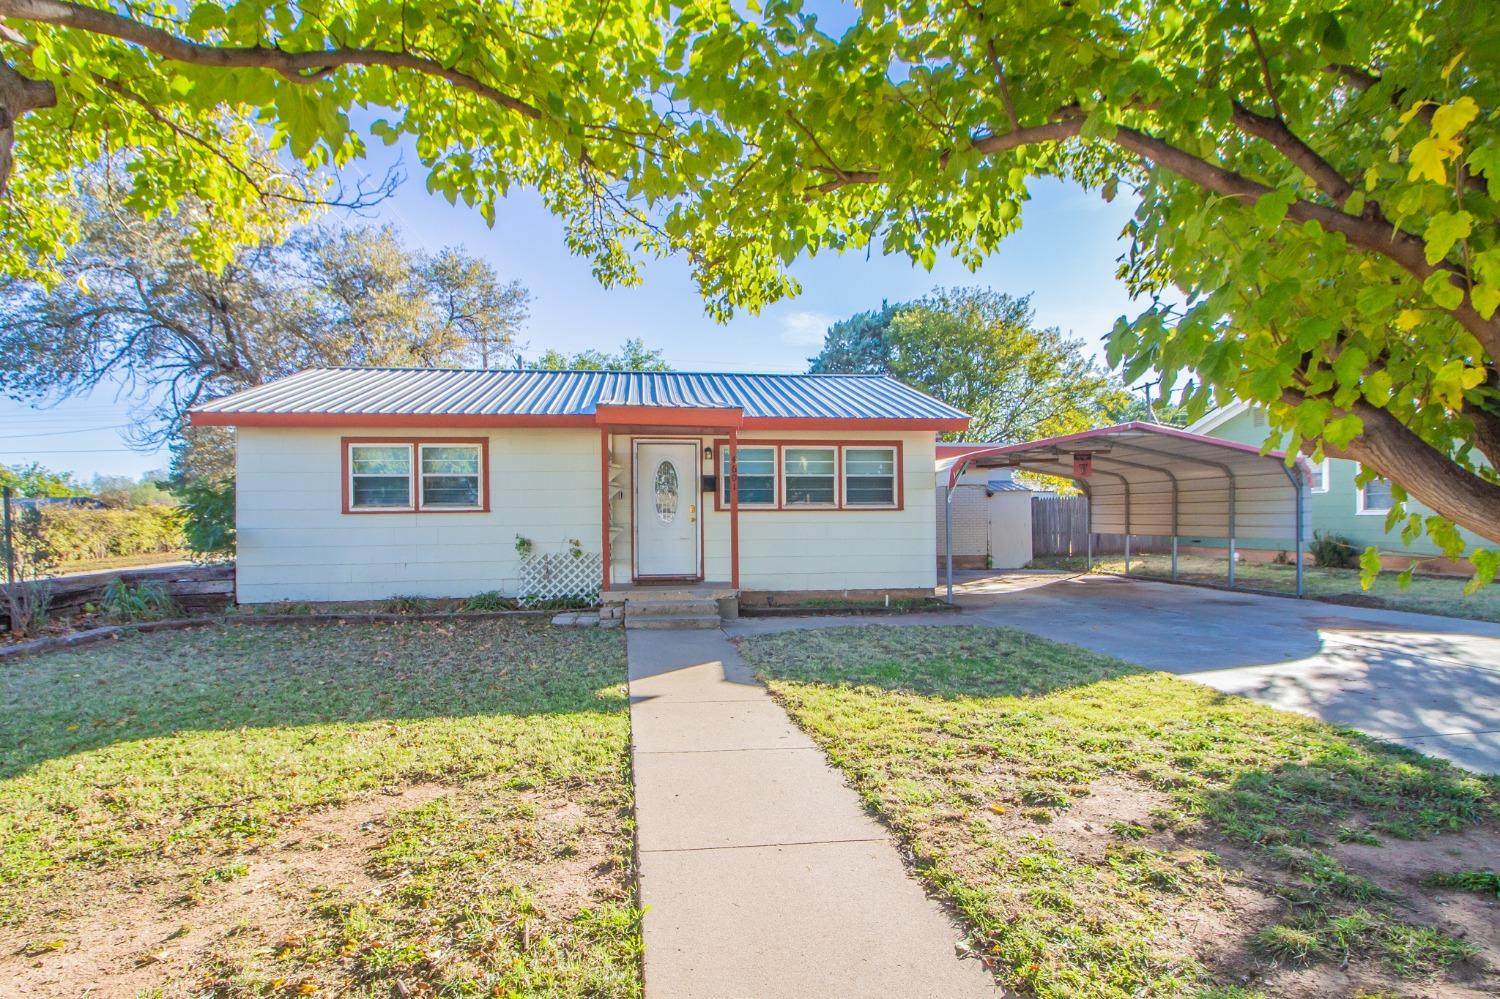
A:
x,y
154,932
1405,866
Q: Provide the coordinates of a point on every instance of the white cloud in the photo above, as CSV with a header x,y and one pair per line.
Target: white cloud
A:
x,y
804,329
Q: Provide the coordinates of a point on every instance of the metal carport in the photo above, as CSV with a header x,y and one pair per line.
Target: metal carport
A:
x,y
1147,479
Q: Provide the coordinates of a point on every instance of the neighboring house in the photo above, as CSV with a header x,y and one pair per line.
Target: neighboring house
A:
x,y
1335,504
360,484
991,514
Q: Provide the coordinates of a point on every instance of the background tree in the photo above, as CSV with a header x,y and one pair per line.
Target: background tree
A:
x,y
857,345
981,351
33,480
136,308
1320,179
634,355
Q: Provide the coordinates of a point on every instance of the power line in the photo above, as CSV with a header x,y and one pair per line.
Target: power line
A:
x,y
62,433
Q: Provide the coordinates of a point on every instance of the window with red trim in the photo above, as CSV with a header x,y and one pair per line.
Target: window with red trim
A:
x,y
391,476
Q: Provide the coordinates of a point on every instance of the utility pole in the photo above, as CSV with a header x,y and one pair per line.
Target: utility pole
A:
x,y
1146,387
10,541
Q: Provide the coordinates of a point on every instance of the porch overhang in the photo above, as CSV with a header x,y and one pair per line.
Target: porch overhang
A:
x,y
679,419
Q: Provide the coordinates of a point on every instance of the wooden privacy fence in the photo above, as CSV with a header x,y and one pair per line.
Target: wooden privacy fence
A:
x,y
1060,526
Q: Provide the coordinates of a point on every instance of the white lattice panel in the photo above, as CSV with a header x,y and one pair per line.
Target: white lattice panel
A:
x,y
561,576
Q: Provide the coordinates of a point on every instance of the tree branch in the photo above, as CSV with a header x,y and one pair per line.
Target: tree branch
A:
x,y
1428,475
19,95
300,67
1290,145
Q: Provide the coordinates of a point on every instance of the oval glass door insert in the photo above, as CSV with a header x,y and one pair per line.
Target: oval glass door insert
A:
x,y
666,492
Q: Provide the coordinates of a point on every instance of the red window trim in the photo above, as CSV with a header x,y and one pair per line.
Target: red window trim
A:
x,y
415,443
840,506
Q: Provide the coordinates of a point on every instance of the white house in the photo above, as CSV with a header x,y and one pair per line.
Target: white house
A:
x,y
360,483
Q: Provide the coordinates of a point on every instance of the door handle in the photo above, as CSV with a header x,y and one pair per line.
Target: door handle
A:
x,y
692,513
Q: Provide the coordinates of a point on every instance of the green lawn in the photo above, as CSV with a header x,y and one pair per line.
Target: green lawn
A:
x,y
1109,832
1426,594
364,810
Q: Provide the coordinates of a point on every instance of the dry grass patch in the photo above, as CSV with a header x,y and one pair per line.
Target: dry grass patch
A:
x,y
372,810
1110,833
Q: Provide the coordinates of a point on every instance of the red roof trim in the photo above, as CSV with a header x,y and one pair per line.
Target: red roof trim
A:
x,y
656,416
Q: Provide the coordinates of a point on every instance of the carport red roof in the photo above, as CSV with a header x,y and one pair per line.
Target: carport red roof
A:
x,y
1148,479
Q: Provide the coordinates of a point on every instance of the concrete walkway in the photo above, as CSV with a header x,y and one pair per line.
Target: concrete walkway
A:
x,y
761,875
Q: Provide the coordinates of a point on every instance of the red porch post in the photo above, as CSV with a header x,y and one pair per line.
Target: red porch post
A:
x,y
604,505
734,508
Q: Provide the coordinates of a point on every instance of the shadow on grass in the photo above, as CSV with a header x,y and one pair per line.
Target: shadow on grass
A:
x,y
977,745
253,679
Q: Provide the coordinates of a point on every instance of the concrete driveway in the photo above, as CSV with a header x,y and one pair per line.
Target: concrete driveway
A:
x,y
1432,683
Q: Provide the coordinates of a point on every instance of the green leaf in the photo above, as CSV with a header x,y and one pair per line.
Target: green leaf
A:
x,y
1444,230
1272,207
1369,567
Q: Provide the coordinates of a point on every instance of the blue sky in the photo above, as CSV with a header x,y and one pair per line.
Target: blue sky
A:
x,y
1065,256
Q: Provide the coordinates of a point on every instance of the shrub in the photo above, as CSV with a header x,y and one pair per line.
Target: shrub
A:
x,y
490,600
147,601
404,604
208,521
1333,551
78,534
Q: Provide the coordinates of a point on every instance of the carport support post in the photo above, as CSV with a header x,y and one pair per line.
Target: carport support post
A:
x,y
948,532
1232,490
1174,556
1127,554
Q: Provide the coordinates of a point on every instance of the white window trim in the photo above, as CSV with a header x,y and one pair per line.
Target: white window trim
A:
x,y
844,477
724,483
836,476
1326,468
411,499
421,487
1360,510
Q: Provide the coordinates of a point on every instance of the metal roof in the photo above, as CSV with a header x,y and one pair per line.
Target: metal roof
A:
x,y
1153,480
442,392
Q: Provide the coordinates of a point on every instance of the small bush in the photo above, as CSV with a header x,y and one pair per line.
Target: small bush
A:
x,y
147,601
1333,551
405,604
80,534
490,600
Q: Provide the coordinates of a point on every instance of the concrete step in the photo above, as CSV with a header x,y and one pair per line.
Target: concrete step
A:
x,y
668,606
636,621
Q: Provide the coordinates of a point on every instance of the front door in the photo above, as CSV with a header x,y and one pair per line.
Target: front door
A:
x,y
666,509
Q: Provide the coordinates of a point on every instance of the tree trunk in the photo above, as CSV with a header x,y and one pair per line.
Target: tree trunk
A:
x,y
1427,474
18,95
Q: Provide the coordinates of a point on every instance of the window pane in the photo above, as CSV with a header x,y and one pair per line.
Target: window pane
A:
x,y
870,492
807,489
450,490
1378,495
869,462
1316,475
380,459
757,468
758,489
808,461
450,459
380,490
809,475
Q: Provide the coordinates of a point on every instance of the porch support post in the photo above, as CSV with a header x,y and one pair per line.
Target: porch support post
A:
x,y
604,509
733,471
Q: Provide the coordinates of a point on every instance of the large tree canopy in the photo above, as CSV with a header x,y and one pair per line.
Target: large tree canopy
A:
x,y
136,310
1319,178
983,352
